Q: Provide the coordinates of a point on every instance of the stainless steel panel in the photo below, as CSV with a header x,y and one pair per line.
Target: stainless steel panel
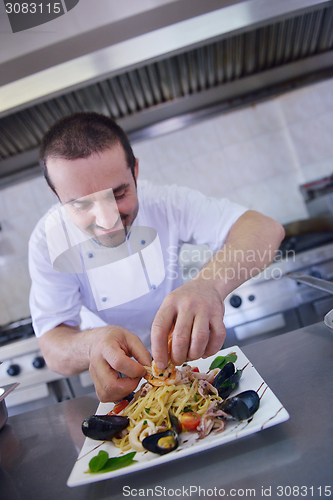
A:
x,y
135,52
224,56
312,281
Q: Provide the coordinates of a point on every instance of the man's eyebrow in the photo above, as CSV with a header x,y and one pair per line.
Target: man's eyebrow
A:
x,y
120,188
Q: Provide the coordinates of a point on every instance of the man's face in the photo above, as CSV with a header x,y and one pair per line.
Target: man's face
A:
x,y
98,192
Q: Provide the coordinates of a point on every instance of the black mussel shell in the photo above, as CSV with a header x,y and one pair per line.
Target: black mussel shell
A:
x,y
230,384
223,375
104,427
227,380
165,441
162,442
242,406
175,423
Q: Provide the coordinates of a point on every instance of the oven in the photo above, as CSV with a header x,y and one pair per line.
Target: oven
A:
x,y
23,363
271,303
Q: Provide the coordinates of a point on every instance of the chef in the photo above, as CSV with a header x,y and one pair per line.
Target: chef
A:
x,y
111,244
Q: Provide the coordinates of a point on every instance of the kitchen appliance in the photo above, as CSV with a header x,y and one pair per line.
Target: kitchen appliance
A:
x,y
23,363
271,303
318,196
319,284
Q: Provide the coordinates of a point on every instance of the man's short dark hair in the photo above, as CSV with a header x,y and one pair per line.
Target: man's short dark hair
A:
x,y
80,135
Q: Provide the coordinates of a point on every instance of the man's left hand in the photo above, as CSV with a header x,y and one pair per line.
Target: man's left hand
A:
x,y
196,309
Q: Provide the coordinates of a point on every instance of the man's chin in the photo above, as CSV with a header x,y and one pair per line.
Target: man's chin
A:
x,y
113,239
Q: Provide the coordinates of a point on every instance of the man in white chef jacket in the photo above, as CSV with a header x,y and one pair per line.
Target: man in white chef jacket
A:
x,y
112,245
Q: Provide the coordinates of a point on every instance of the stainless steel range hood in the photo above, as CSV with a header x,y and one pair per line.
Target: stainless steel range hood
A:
x,y
160,79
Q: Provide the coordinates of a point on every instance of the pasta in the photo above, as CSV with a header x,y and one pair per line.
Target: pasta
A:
x,y
148,411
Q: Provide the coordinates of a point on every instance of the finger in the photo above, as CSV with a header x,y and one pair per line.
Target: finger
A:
x,y
160,329
103,375
181,338
217,336
119,361
109,386
136,349
199,338
113,392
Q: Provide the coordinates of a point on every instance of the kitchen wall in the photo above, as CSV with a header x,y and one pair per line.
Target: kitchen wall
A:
x,y
257,156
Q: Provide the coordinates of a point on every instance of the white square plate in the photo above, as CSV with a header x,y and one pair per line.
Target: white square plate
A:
x,y
270,412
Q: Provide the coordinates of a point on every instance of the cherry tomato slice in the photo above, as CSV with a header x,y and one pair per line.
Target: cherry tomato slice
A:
x,y
190,420
118,407
195,369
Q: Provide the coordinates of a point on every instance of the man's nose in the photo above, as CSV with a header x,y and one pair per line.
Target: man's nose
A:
x,y
106,215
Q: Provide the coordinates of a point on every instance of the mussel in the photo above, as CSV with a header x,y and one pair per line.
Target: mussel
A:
x,y
227,380
242,406
104,427
165,441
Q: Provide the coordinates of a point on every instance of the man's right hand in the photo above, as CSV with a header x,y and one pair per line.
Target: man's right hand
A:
x,y
106,351
111,354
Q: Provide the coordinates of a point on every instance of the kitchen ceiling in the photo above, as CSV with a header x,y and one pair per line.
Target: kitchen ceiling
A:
x,y
161,79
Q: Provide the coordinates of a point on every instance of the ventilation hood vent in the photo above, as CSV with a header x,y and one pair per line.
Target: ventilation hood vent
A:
x,y
231,68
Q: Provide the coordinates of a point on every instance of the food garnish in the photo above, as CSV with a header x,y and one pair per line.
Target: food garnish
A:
x,y
102,462
220,361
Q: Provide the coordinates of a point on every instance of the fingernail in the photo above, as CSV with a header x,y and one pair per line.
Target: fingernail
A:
x,y
160,365
204,356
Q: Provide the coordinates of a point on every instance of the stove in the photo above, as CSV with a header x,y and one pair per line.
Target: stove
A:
x,y
23,363
271,303
16,331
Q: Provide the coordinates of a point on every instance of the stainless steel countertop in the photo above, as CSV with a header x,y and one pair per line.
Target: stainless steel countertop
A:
x,y
38,449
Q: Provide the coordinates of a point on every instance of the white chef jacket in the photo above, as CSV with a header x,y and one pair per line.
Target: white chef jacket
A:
x,y
176,215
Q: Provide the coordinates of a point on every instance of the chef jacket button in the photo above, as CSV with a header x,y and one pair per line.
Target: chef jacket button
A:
x,y
104,299
143,242
90,255
153,287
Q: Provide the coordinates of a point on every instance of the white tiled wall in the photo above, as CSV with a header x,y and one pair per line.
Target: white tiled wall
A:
x,y
257,156
21,206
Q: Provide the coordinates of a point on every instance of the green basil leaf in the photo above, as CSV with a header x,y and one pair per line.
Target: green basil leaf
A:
x,y
119,462
231,357
102,462
220,361
98,462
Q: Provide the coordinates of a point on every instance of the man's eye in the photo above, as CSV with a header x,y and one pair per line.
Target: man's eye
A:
x,y
119,196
